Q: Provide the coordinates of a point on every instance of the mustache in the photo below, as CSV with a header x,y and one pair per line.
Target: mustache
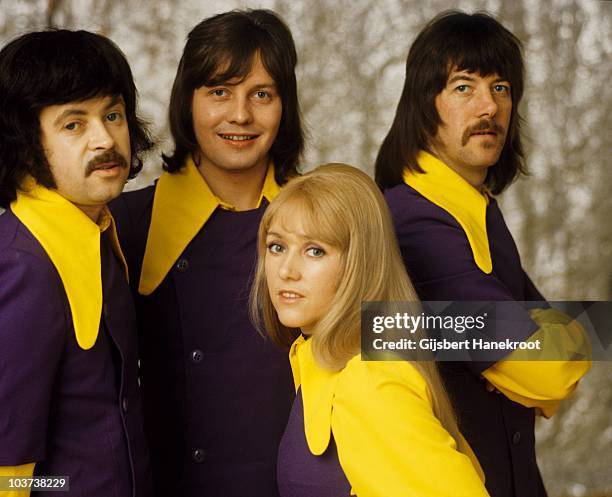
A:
x,y
104,158
482,125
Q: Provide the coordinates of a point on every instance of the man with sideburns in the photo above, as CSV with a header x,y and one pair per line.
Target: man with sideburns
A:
x,y
454,143
216,394
69,393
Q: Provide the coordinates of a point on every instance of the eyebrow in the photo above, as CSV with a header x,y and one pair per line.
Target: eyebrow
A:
x,y
264,86
305,236
460,77
271,84
115,99
467,77
68,112
76,111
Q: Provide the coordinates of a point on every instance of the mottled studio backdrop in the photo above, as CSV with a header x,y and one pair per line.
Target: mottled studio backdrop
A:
x,y
350,74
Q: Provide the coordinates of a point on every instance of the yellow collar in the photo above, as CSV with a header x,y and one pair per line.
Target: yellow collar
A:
x,y
448,190
318,387
72,242
182,204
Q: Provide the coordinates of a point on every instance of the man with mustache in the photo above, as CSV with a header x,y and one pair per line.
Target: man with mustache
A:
x,y
455,142
68,346
216,393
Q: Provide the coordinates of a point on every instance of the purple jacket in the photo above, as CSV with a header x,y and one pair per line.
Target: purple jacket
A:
x,y
73,412
439,260
216,394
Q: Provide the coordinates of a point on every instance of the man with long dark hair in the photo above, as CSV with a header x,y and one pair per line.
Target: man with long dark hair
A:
x,y
69,394
216,393
454,143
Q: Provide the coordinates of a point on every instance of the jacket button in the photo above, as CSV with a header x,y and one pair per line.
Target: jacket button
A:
x,y
197,356
199,455
124,404
182,265
516,438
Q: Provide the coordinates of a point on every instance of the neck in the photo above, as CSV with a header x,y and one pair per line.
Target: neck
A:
x,y
91,211
474,175
241,188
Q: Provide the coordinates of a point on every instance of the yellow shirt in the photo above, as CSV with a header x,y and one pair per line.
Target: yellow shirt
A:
x,y
389,441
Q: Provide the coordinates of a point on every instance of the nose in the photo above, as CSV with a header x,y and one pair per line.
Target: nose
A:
x,y
487,105
240,111
100,138
289,268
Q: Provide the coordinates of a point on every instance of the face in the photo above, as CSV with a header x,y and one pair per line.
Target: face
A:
x,y
87,146
302,273
236,123
475,113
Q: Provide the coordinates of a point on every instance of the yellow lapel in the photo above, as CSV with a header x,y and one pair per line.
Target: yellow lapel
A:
x,y
270,187
182,205
318,386
448,190
72,242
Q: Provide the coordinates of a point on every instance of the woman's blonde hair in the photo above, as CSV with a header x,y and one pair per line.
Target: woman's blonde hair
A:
x,y
342,206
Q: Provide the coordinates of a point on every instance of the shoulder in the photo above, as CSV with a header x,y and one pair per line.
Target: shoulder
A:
x,y
20,250
31,292
420,222
408,206
132,214
385,381
432,243
131,207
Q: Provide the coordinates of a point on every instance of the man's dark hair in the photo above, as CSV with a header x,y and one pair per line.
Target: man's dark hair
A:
x,y
475,43
56,67
224,47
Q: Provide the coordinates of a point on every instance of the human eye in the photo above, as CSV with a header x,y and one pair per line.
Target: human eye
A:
x,y
218,92
114,116
502,88
315,251
262,94
462,88
275,248
72,126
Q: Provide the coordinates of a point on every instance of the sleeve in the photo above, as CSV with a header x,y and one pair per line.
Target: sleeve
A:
x,y
32,330
389,441
23,471
544,384
427,240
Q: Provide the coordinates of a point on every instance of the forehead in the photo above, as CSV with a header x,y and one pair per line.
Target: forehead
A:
x,y
234,71
477,67
292,220
90,105
457,73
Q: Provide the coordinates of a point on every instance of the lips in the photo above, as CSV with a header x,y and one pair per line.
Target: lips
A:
x,y
289,296
107,165
238,138
107,161
484,127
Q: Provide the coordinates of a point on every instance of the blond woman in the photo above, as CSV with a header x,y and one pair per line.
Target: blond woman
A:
x,y
371,429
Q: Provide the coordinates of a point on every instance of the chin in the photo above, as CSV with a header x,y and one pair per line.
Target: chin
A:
x,y
105,197
290,321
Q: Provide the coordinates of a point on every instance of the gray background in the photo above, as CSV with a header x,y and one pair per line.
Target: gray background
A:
x,y
350,75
